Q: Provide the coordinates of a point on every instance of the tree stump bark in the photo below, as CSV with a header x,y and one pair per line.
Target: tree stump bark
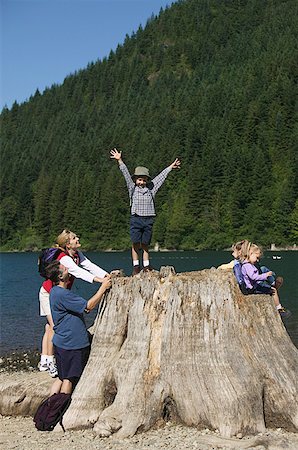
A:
x,y
191,348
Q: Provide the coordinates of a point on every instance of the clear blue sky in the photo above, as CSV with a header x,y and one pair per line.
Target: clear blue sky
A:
x,y
43,41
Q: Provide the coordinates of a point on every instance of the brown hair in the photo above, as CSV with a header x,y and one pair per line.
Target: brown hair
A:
x,y
242,247
53,272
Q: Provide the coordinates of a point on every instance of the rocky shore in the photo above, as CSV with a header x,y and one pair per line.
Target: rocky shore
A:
x,y
19,360
20,433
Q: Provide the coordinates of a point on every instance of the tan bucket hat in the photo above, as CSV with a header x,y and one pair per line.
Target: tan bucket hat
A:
x,y
141,172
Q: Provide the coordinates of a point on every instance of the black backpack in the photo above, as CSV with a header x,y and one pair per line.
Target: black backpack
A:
x,y
46,256
51,411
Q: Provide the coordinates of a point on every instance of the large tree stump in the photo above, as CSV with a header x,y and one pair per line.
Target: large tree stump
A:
x,y
187,347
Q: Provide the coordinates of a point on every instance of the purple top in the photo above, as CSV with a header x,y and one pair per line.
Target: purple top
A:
x,y
251,275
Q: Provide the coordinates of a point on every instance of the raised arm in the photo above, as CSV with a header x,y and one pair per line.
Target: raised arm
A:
x,y
176,164
160,178
118,157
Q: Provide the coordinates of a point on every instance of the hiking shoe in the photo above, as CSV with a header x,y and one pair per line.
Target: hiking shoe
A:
x,y
278,282
136,270
284,313
43,367
53,369
148,269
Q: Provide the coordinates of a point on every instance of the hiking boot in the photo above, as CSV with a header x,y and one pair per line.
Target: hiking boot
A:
x,y
53,369
43,367
278,282
136,270
148,269
284,313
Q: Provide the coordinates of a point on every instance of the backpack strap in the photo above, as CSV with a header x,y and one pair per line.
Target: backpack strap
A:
x,y
132,193
61,255
67,403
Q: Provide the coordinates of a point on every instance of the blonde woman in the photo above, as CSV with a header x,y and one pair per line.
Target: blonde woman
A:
x,y
70,256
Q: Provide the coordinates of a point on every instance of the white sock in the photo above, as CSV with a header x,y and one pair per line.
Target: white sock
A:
x,y
50,359
43,359
136,262
279,306
146,262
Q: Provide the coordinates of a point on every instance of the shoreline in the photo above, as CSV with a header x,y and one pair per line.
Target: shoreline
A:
x,y
291,248
19,360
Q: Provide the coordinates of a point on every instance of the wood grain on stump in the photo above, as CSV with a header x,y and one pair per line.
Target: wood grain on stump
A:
x,y
187,347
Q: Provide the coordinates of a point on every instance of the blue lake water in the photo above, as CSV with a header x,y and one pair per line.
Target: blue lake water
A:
x,y
22,327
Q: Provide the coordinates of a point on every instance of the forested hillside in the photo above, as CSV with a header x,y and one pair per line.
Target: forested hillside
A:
x,y
209,81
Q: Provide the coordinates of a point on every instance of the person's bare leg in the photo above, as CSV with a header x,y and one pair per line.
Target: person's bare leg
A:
x,y
135,258
44,342
66,387
50,334
145,248
44,357
276,298
135,252
56,386
146,262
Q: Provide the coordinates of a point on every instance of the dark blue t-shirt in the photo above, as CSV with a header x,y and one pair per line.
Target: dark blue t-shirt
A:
x,y
69,325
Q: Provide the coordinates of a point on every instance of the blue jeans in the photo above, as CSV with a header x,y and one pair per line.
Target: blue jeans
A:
x,y
270,280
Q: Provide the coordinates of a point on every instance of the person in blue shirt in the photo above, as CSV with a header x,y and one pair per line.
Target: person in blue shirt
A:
x,y
71,341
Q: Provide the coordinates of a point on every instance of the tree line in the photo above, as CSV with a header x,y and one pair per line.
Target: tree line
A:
x,y
213,83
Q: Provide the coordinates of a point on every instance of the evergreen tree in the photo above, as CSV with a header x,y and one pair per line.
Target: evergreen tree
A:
x,y
210,82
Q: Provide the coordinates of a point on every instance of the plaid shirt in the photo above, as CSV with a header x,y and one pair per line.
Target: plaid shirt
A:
x,y
142,199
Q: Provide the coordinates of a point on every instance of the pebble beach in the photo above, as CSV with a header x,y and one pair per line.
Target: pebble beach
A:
x,y
20,432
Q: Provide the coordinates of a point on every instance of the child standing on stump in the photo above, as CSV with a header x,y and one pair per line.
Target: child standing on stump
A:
x,y
142,191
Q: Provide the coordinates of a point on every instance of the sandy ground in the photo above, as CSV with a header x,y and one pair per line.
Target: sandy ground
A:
x,y
20,433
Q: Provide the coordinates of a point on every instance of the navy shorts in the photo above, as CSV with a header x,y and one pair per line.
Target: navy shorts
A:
x,y
71,363
141,229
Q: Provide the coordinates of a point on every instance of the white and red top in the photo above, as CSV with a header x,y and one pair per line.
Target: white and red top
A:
x,y
87,272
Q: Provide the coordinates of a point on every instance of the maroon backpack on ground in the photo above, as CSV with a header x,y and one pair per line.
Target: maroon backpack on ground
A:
x,y
51,411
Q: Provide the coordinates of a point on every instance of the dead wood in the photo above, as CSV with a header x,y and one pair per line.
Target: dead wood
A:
x,y
190,348
22,392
